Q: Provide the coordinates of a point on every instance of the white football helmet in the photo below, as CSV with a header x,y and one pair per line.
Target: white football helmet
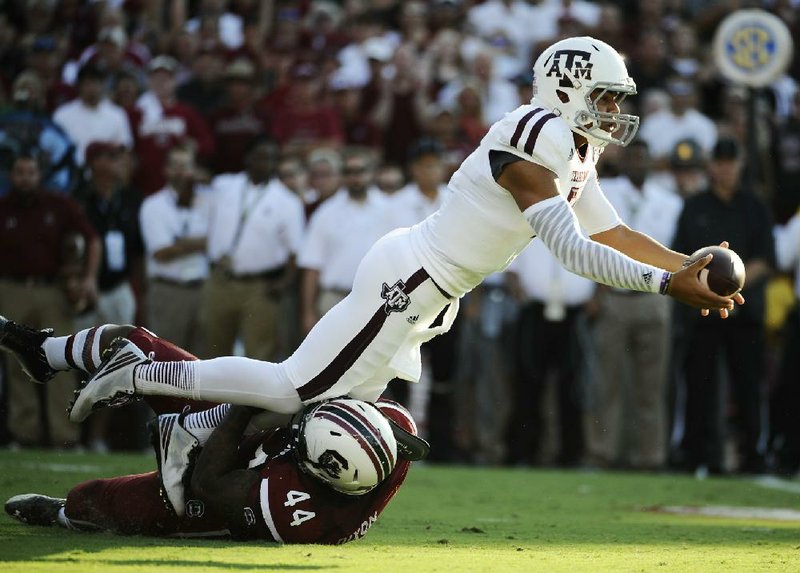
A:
x,y
572,75
346,443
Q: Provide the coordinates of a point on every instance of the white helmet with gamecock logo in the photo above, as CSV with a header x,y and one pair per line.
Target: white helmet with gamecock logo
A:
x,y
346,443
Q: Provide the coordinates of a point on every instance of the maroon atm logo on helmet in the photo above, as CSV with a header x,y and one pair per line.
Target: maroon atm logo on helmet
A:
x,y
577,62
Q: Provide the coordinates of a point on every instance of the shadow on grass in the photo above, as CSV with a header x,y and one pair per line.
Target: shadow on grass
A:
x,y
50,545
188,563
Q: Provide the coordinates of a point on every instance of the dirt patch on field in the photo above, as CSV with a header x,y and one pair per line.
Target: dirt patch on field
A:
x,y
729,511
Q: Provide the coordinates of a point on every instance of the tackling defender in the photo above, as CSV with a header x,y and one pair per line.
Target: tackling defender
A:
x,y
533,174
323,478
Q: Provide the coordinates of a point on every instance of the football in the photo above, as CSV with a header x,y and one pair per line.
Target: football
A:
x,y
724,274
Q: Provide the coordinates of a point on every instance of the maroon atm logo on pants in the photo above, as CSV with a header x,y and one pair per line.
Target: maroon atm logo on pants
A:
x,y
396,298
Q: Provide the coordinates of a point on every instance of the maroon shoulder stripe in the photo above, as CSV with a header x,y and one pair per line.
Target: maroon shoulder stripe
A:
x,y
343,361
535,130
521,126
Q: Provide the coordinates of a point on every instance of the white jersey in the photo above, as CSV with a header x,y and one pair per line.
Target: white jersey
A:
x,y
480,229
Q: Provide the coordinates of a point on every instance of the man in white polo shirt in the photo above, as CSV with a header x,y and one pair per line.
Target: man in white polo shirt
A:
x,y
174,224
339,234
255,229
91,116
427,190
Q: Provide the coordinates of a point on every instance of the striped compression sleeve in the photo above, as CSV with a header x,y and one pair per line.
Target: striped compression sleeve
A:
x,y
555,224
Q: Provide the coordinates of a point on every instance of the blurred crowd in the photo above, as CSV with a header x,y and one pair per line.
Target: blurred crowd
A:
x,y
214,170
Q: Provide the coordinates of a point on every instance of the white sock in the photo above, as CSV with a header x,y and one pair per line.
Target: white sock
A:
x,y
230,379
79,351
201,424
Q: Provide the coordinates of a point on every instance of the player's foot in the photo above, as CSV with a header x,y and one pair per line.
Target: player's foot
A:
x,y
26,344
112,384
175,450
35,509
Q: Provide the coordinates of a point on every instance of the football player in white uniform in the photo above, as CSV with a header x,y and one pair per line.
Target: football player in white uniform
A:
x,y
533,175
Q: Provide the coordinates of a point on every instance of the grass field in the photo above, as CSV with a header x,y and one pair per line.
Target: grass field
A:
x,y
444,519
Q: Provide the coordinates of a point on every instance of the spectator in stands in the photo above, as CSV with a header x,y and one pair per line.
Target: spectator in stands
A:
x,y
324,177
482,374
164,123
443,59
205,89
688,168
632,333
784,423
254,233
292,173
389,178
303,125
742,218
174,226
447,15
113,210
115,54
432,398
26,126
547,350
402,107
331,251
45,58
239,120
510,21
734,122
497,94
92,117
34,230
229,25
427,189
413,24
786,163
445,128
663,129
125,93
359,129
650,61
683,51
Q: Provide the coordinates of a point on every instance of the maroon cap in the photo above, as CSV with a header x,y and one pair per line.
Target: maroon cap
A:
x,y
98,148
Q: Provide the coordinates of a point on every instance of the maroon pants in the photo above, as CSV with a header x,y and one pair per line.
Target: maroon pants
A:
x,y
133,505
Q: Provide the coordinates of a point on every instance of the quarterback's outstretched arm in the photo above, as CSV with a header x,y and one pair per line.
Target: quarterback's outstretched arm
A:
x,y
641,247
535,191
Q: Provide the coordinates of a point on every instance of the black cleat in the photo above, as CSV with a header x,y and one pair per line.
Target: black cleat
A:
x,y
35,509
26,344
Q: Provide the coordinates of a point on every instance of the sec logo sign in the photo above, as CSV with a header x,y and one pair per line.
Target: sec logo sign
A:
x,y
752,47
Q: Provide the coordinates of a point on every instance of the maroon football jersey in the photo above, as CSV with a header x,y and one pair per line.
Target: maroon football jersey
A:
x,y
286,505
298,508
